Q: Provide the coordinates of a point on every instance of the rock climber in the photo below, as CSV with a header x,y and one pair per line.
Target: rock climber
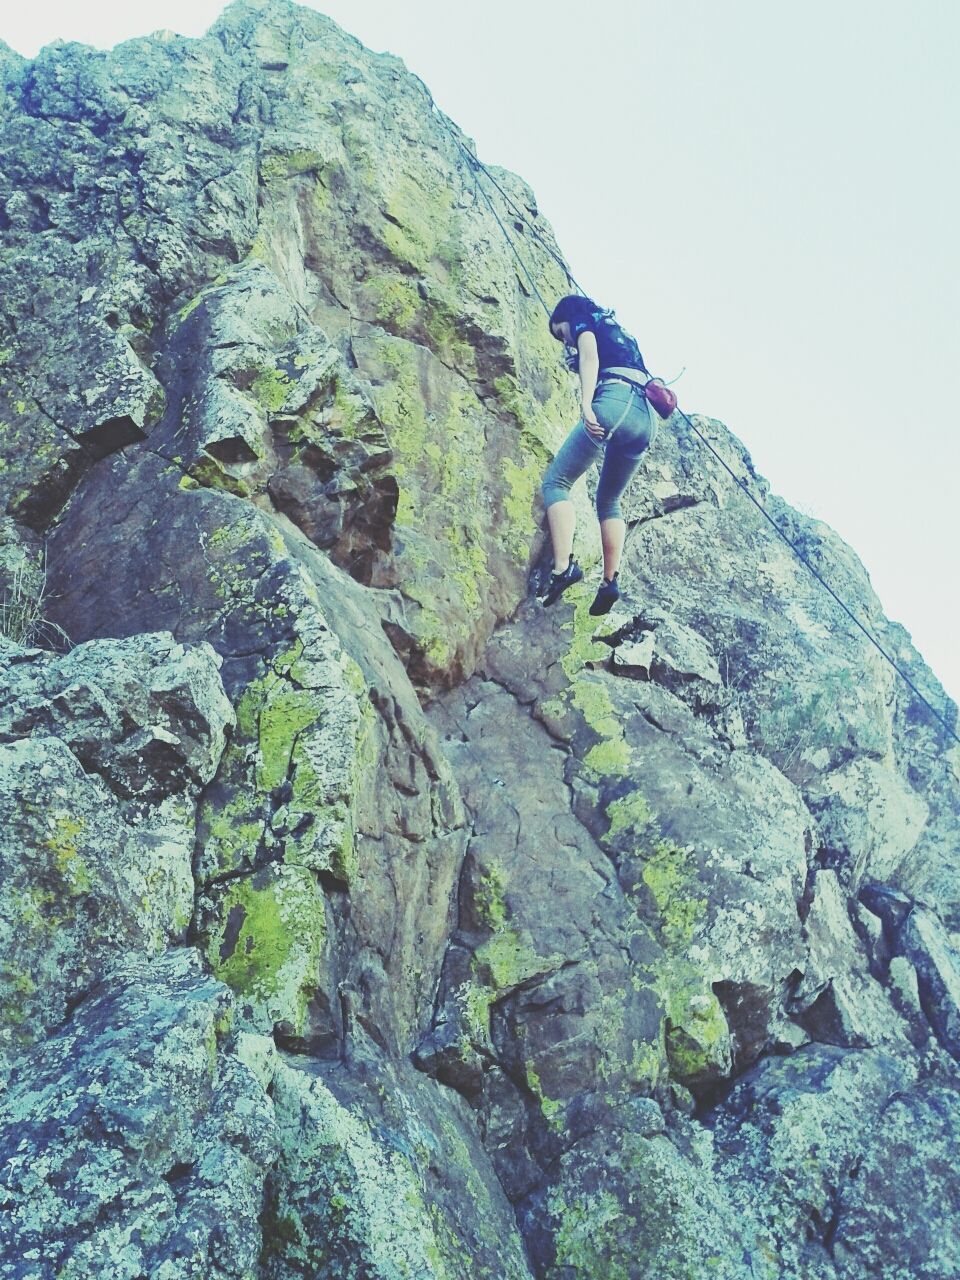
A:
x,y
615,428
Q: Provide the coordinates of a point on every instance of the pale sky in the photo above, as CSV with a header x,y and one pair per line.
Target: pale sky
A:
x,y
765,191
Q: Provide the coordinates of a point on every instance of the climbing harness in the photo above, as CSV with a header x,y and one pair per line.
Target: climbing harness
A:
x,y
477,167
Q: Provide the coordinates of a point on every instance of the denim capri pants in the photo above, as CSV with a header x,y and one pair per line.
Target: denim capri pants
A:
x,y
629,429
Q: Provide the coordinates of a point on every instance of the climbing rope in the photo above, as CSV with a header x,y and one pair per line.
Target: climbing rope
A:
x,y
474,165
826,586
477,167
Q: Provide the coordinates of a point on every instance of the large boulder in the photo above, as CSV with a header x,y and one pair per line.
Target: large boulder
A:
x,y
103,752
789,1140
553,945
130,1143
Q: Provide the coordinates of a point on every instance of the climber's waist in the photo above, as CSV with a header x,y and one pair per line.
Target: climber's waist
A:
x,y
637,381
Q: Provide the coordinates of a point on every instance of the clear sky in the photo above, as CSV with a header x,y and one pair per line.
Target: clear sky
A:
x,y
767,192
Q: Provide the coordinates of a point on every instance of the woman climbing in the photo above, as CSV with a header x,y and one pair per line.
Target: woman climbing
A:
x,y
616,426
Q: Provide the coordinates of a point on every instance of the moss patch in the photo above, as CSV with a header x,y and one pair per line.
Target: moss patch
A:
x,y
588,695
269,942
440,531
270,389
696,1035
419,228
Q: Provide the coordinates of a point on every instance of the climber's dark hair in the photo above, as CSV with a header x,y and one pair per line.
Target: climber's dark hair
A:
x,y
574,307
577,309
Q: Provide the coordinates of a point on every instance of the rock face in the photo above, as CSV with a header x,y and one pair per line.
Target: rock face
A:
x,y
357,917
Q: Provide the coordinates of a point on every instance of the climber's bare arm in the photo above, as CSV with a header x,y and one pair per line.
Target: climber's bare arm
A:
x,y
589,370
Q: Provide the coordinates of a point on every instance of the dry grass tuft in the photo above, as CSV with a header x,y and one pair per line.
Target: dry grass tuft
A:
x,y
21,612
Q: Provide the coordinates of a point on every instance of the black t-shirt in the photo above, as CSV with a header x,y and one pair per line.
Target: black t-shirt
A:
x,y
616,348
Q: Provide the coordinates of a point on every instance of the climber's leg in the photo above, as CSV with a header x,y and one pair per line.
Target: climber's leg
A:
x,y
573,458
562,521
613,532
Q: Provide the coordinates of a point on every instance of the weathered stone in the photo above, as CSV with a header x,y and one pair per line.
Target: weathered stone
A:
x,y
656,647
104,750
81,885
292,789
788,1138
904,992
146,714
840,1002
396,1185
539,1018
924,942
271,383
644,1208
869,819
897,1209
130,1142
889,904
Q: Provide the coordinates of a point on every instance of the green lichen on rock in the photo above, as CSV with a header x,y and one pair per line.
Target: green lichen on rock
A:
x,y
280,816
523,485
284,732
284,713
551,1108
346,415
587,694
669,872
698,1037
587,1240
515,400
507,959
289,164
18,989
236,554
444,329
498,965
489,899
349,1203
543,423
268,944
62,845
440,530
696,1034
231,818
419,228
643,1209
209,472
646,1066
397,301
270,389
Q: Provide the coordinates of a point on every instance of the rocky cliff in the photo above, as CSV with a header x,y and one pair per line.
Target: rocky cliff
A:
x,y
358,918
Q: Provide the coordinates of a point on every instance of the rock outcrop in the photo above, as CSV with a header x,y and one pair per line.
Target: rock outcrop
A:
x,y
358,917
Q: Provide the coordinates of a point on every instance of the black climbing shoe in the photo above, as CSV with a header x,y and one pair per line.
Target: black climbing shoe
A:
x,y
560,581
607,596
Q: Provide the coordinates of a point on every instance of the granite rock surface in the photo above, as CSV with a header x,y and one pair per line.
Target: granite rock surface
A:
x,y
358,917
